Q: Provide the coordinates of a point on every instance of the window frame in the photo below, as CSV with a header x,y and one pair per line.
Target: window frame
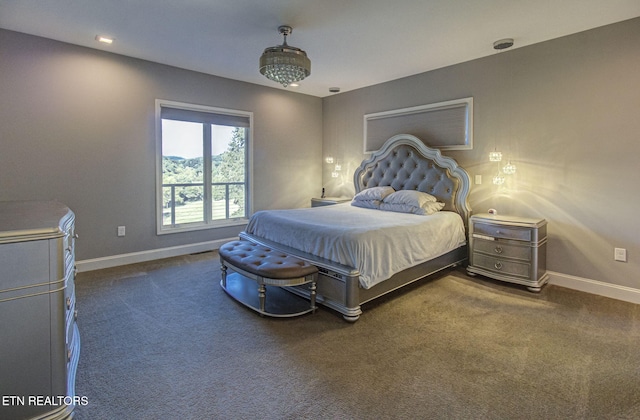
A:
x,y
206,224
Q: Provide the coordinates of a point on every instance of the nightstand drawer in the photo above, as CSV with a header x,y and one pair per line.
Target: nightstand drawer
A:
x,y
503,250
502,266
505,232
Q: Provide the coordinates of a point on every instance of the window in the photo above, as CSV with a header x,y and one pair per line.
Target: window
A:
x,y
203,166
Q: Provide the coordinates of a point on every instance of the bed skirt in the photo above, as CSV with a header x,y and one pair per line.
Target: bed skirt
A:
x,y
338,286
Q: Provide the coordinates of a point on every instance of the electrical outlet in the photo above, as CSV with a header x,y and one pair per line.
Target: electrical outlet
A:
x,y
620,254
478,179
121,230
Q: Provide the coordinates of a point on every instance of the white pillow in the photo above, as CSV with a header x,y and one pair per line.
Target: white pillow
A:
x,y
367,204
410,198
428,208
373,193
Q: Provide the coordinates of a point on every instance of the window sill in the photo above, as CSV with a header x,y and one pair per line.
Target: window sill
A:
x,y
202,226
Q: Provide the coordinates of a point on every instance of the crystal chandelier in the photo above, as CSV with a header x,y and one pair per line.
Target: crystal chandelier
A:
x,y
283,63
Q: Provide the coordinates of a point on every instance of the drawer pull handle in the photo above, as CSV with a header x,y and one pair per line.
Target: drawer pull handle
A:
x,y
75,315
498,265
68,303
498,250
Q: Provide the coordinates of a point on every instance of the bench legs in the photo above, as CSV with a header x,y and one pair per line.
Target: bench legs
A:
x,y
262,295
312,296
230,283
223,268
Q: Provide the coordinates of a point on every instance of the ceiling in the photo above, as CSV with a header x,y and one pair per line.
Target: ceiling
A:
x,y
351,43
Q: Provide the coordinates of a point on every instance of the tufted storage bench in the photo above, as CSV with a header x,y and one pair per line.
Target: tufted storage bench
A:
x,y
267,267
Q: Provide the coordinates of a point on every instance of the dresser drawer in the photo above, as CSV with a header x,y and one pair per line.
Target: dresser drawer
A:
x,y
502,266
505,232
503,250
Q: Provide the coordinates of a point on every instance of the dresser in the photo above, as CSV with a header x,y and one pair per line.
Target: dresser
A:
x,y
40,344
509,248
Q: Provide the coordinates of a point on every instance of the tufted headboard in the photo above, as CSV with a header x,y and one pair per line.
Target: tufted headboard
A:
x,y
406,163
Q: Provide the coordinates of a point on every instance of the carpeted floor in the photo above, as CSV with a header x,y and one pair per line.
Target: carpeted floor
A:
x,y
162,340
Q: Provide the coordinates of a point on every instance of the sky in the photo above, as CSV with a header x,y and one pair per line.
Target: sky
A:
x,y
184,139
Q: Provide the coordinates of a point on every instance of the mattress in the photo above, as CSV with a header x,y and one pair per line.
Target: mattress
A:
x,y
377,243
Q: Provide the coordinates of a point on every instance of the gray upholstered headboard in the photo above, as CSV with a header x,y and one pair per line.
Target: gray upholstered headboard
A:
x,y
405,163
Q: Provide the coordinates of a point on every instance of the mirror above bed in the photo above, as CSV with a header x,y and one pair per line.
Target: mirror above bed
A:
x,y
444,125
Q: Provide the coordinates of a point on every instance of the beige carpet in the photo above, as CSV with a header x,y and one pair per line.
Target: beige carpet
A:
x,y
162,340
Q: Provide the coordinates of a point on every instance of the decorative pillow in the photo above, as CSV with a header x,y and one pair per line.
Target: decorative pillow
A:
x,y
432,207
428,208
373,193
410,198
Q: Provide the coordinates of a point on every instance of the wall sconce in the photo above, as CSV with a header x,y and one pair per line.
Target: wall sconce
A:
x,y
498,179
336,170
509,168
337,167
495,156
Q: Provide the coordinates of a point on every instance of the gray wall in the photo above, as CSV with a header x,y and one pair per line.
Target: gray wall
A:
x,y
77,125
567,112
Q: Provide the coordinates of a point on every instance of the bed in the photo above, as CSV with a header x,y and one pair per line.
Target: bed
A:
x,y
362,251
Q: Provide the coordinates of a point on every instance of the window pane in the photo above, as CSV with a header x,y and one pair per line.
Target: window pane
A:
x,y
228,172
182,173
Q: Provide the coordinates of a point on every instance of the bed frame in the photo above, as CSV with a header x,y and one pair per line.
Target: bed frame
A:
x,y
405,163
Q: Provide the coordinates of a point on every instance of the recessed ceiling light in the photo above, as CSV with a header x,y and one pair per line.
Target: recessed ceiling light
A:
x,y
104,39
294,85
503,44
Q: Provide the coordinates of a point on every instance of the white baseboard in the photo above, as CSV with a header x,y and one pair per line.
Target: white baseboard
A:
x,y
150,255
627,294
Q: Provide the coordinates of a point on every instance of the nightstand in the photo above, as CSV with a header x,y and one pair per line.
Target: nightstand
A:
x,y
509,248
327,201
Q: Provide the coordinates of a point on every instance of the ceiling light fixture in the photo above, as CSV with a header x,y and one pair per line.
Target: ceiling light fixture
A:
x,y
104,39
283,63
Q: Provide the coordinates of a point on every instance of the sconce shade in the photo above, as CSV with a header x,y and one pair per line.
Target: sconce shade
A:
x,y
509,168
495,156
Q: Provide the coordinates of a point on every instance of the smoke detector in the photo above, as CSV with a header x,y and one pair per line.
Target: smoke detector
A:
x,y
503,44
